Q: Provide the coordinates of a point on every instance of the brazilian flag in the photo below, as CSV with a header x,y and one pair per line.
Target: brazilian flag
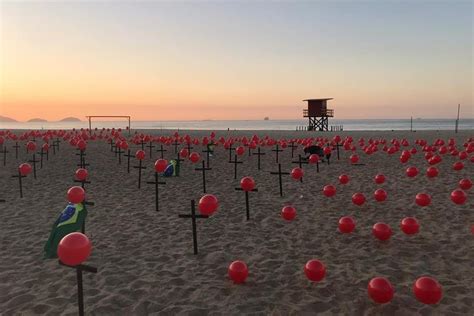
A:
x,y
171,169
71,219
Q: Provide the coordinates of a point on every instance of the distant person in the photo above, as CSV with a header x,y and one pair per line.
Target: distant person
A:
x,y
310,150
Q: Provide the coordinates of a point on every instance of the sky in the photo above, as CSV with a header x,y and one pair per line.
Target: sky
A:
x,y
235,60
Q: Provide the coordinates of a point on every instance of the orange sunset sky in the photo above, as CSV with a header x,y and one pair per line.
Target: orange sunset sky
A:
x,y
239,60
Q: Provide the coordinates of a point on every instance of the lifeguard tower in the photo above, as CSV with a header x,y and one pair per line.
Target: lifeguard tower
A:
x,y
318,114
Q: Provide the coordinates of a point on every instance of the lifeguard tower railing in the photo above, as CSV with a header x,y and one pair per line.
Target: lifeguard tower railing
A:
x,y
322,113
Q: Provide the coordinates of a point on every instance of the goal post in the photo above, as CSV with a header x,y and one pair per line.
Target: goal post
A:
x,y
90,117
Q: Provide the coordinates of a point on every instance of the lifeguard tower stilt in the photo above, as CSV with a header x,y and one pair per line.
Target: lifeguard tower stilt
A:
x,y
318,114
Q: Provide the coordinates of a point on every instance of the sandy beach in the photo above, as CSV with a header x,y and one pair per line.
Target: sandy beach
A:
x,y
145,258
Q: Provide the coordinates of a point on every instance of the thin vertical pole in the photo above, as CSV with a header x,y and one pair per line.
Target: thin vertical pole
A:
x,y
235,166
411,124
279,176
80,294
139,174
156,191
90,126
21,186
247,204
457,120
193,213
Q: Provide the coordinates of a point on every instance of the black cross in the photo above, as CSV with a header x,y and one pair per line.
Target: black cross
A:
x,y
280,173
139,167
258,153
300,163
175,144
235,162
16,150
112,145
337,148
42,153
34,161
2,201
156,183
230,151
19,176
5,152
293,146
277,150
247,204
161,150
193,217
203,169
119,152
208,152
82,182
82,159
150,145
55,145
80,292
128,160
328,156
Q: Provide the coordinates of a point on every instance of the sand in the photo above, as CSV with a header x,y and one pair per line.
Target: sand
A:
x,y
145,258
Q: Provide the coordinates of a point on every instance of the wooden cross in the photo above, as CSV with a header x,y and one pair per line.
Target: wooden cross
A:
x,y
280,173
277,150
55,145
150,145
235,162
82,159
19,176
189,147
193,217
300,163
16,149
328,156
203,169
82,182
142,143
128,160
230,151
247,204
119,152
139,167
208,152
112,145
161,150
42,153
258,153
156,183
34,161
337,148
80,292
293,146
178,164
5,152
175,144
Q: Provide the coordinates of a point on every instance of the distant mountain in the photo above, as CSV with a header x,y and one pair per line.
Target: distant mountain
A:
x,y
6,119
39,120
70,119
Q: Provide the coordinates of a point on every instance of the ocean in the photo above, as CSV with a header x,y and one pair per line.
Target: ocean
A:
x,y
348,125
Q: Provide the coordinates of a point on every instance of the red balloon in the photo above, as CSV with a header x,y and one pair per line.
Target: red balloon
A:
x,y
380,290
160,165
382,231
140,155
76,195
247,183
412,172
314,158
74,249
183,153
81,174
327,150
465,184
427,290
208,204
358,198
423,199
288,213
238,271
409,225
458,166
297,173
458,196
45,147
343,179
329,190
354,158
240,150
25,169
380,195
31,146
432,172
81,145
314,270
346,224
194,157
379,179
